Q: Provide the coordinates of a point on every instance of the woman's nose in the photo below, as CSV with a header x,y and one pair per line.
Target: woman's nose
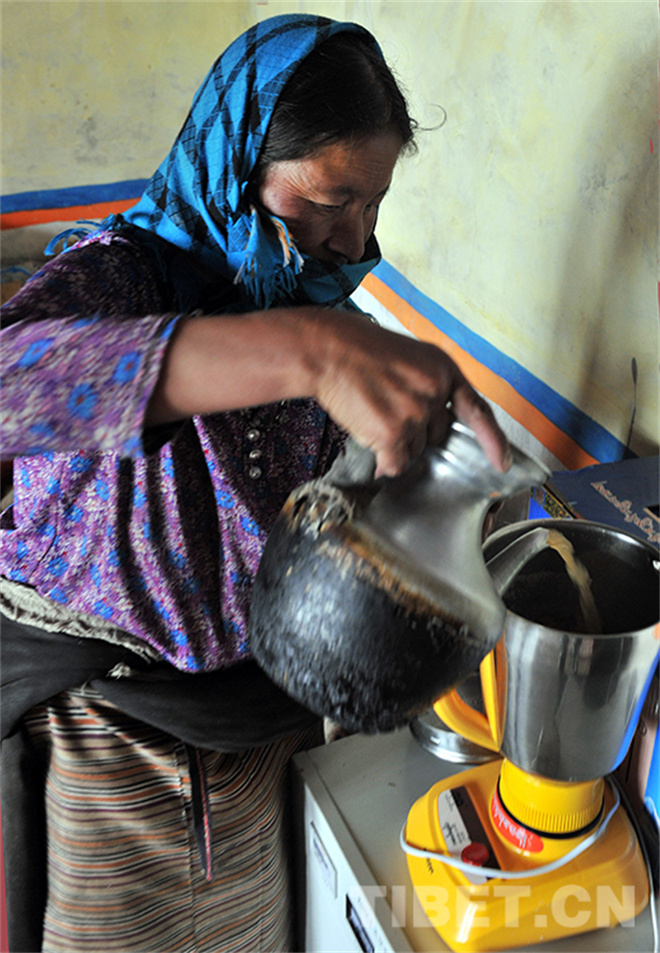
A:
x,y
349,237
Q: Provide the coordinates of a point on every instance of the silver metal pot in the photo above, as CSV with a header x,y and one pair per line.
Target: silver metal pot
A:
x,y
569,700
371,600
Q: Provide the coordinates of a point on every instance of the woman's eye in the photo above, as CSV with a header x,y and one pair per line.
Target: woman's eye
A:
x,y
332,209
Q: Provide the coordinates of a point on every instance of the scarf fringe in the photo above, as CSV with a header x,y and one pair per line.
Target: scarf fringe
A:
x,y
70,236
267,279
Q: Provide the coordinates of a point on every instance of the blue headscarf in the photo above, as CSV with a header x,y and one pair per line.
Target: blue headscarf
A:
x,y
196,200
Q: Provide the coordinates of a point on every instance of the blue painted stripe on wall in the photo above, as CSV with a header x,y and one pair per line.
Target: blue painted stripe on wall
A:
x,y
76,195
586,432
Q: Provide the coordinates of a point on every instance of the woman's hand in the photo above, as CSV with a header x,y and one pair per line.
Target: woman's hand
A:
x,y
397,395
393,394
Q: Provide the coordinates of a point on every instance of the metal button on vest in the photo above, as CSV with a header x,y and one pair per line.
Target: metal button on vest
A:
x,y
254,454
253,434
254,473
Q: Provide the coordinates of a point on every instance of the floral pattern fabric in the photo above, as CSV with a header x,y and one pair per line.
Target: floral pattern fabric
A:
x,y
162,541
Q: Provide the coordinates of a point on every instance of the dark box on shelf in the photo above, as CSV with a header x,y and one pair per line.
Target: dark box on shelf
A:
x,y
625,495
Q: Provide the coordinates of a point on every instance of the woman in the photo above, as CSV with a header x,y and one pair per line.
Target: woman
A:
x,y
168,381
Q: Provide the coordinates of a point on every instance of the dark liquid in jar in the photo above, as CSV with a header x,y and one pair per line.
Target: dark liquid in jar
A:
x,y
625,592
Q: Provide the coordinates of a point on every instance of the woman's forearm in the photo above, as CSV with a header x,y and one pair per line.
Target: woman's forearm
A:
x,y
394,394
224,362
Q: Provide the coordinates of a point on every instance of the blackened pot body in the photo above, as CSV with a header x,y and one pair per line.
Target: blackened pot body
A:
x,y
338,623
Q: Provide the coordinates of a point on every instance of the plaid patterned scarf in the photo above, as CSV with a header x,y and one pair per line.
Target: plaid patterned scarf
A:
x,y
196,199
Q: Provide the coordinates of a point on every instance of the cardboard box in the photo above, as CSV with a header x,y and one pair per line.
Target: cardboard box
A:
x,y
625,495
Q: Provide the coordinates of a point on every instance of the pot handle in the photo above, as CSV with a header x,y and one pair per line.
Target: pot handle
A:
x,y
460,717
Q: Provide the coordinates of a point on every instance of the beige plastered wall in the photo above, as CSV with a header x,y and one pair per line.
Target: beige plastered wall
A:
x,y
530,211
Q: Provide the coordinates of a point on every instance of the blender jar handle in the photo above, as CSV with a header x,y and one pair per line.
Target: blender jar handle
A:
x,y
460,717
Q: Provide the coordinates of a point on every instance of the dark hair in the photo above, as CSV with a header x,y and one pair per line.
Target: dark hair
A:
x,y
344,89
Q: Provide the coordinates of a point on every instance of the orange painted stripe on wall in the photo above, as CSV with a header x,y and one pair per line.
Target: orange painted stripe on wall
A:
x,y
491,385
72,214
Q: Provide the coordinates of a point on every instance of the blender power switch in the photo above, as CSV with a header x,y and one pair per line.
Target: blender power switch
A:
x,y
475,854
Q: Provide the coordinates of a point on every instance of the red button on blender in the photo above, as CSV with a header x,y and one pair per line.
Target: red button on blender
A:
x,y
475,854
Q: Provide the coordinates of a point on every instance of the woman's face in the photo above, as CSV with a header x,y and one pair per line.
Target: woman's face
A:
x,y
329,200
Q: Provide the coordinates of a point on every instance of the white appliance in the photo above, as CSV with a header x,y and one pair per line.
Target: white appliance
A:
x,y
353,797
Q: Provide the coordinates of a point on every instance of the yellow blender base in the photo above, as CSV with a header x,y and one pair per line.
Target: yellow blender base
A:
x,y
604,886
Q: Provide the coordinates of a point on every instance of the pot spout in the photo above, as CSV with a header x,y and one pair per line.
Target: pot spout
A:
x,y
505,565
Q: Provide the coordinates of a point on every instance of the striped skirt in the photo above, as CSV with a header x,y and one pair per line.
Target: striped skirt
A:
x,y
124,870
